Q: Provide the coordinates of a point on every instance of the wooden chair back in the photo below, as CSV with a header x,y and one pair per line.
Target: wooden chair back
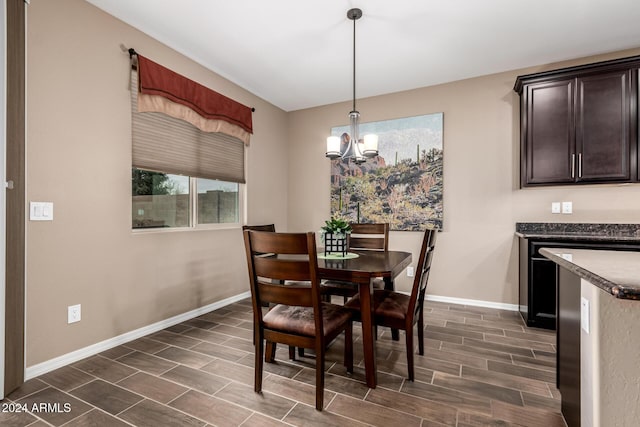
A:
x,y
422,272
274,258
264,227
373,237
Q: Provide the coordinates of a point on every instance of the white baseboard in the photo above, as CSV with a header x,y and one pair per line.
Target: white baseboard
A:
x,y
473,302
74,356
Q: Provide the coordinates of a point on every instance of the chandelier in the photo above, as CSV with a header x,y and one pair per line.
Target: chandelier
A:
x,y
349,146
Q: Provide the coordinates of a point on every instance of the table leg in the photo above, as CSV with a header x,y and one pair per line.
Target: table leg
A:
x,y
368,340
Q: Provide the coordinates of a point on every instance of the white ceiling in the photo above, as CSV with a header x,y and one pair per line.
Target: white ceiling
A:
x,y
298,53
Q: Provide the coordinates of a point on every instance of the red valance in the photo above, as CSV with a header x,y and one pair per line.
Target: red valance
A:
x,y
154,79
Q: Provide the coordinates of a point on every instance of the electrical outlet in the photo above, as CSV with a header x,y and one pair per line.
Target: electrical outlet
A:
x,y
584,314
410,272
567,207
73,313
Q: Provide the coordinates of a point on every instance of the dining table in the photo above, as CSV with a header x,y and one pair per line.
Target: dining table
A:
x,y
360,268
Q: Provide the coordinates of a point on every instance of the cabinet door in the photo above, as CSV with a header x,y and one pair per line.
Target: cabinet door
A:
x,y
548,142
603,127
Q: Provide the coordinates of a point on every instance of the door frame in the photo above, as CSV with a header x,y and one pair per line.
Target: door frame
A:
x,y
3,150
14,199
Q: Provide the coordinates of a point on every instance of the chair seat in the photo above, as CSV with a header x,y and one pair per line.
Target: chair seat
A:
x,y
391,304
387,304
299,320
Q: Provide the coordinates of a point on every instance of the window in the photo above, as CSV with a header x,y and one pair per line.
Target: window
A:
x,y
183,176
162,200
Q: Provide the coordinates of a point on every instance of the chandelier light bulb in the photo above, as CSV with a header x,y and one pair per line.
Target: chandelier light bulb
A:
x,y
333,147
370,145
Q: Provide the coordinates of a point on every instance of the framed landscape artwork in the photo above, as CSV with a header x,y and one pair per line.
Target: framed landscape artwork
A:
x,y
402,185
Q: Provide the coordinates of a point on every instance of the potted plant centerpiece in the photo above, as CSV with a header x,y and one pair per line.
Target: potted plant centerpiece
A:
x,y
334,234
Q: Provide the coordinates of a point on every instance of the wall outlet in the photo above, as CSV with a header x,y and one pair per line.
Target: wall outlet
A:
x,y
567,207
555,207
410,272
73,313
584,314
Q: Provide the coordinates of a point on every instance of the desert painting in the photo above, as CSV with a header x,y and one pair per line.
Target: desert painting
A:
x,y
402,185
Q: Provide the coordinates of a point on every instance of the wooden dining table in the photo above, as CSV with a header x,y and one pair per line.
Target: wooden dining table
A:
x,y
361,271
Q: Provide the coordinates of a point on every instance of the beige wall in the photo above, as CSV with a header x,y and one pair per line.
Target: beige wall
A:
x,y
476,255
78,157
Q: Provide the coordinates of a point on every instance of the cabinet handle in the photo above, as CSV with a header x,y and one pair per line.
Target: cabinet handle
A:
x,y
580,165
573,166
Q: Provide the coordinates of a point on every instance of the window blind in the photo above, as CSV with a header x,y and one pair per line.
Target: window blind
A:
x,y
165,144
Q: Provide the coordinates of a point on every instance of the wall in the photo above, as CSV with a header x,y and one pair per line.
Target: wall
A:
x,y
79,158
477,255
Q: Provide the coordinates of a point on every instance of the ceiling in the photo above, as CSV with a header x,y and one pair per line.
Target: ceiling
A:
x,y
298,53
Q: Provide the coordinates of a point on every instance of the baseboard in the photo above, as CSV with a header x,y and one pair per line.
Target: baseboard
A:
x,y
473,302
74,356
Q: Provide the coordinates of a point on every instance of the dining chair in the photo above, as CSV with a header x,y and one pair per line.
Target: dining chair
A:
x,y
367,237
262,227
298,317
399,311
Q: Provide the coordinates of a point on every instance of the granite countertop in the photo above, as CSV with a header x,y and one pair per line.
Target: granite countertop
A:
x,y
579,231
616,272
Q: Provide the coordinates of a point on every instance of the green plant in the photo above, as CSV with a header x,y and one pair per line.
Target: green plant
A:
x,y
336,226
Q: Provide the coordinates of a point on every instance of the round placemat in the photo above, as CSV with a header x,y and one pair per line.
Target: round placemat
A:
x,y
349,255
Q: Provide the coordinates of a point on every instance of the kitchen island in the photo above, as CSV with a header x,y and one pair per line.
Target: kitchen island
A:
x,y
598,335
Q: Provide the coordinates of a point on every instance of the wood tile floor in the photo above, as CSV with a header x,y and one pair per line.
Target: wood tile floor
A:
x,y
482,367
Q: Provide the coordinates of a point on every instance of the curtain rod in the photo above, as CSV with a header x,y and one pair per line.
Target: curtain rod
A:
x,y
132,52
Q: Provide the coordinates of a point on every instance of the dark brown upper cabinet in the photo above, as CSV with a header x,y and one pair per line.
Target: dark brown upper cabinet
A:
x,y
578,125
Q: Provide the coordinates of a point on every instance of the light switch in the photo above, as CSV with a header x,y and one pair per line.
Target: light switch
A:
x,y
584,314
555,207
567,207
41,211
